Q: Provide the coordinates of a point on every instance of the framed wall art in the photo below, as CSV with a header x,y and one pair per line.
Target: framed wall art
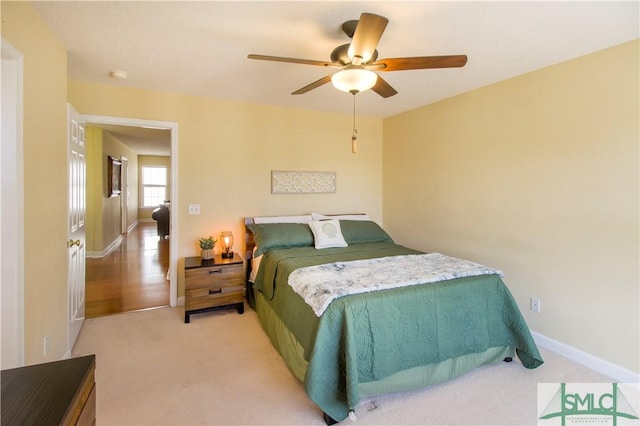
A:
x,y
293,182
114,184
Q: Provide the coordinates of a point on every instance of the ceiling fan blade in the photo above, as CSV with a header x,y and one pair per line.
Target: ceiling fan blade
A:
x,y
422,62
366,37
290,60
317,83
383,88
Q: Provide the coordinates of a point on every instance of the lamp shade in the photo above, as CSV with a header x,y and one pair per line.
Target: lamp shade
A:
x,y
354,80
226,239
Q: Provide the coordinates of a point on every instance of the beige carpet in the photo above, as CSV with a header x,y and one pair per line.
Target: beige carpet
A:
x,y
152,369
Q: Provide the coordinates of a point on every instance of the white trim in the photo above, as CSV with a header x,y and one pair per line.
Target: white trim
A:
x,y
104,253
173,224
114,244
620,374
124,204
132,226
14,289
180,301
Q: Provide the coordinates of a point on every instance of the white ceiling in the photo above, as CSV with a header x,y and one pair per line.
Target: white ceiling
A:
x,y
142,140
200,48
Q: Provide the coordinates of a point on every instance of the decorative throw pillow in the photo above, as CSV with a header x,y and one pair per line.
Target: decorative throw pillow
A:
x,y
362,231
327,233
269,236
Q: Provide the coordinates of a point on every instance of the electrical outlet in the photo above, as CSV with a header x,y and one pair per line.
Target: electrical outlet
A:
x,y
535,304
45,346
194,208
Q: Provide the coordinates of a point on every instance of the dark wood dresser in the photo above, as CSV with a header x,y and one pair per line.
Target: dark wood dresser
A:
x,y
53,393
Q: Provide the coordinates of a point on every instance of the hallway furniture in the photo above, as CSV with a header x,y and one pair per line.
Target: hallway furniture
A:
x,y
162,216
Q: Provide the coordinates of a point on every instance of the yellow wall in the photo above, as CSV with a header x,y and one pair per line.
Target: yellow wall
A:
x,y
45,180
111,206
537,176
104,222
144,213
129,185
226,151
131,190
95,194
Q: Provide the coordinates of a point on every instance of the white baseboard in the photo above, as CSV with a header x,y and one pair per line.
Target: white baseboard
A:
x,y
132,226
114,244
620,374
180,301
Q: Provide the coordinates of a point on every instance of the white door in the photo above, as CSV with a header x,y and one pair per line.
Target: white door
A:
x,y
76,223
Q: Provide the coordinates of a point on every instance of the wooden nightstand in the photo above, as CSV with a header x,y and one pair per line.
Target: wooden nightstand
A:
x,y
213,284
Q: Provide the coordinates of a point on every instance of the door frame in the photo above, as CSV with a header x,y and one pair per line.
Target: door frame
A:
x,y
12,244
124,199
173,220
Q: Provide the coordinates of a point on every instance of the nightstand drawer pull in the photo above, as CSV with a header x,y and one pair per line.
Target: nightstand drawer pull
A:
x,y
217,291
215,271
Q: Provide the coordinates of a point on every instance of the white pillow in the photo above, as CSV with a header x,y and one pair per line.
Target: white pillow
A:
x,y
327,233
283,219
320,216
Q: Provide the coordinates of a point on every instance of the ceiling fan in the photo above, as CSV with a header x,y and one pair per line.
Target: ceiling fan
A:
x,y
358,60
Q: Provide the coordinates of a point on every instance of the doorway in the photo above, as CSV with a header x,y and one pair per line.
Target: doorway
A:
x,y
139,243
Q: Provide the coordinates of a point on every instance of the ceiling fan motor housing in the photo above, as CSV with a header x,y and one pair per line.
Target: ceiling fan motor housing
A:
x,y
349,27
340,55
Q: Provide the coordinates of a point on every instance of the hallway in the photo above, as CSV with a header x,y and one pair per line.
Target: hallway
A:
x,y
130,278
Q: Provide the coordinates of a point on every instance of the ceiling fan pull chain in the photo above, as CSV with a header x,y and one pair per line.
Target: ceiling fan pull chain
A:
x,y
354,139
354,142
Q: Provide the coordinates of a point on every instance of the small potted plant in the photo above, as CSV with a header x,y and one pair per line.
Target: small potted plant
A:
x,y
207,245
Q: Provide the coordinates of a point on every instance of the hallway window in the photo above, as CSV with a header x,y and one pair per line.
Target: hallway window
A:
x,y
154,185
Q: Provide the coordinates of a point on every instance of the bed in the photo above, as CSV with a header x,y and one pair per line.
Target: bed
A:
x,y
381,323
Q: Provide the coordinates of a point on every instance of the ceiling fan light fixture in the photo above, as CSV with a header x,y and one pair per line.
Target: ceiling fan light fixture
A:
x,y
354,80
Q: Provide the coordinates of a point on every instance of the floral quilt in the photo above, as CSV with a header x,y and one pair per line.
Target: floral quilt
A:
x,y
319,285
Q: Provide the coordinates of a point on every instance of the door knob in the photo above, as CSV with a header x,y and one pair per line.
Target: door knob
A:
x,y
72,242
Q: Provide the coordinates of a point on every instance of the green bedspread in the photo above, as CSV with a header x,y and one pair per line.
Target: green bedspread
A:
x,y
368,337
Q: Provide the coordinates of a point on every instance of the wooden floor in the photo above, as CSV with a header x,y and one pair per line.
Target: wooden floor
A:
x,y
132,277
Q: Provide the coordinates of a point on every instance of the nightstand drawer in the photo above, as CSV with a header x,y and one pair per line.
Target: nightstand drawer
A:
x,y
213,284
224,275
208,297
